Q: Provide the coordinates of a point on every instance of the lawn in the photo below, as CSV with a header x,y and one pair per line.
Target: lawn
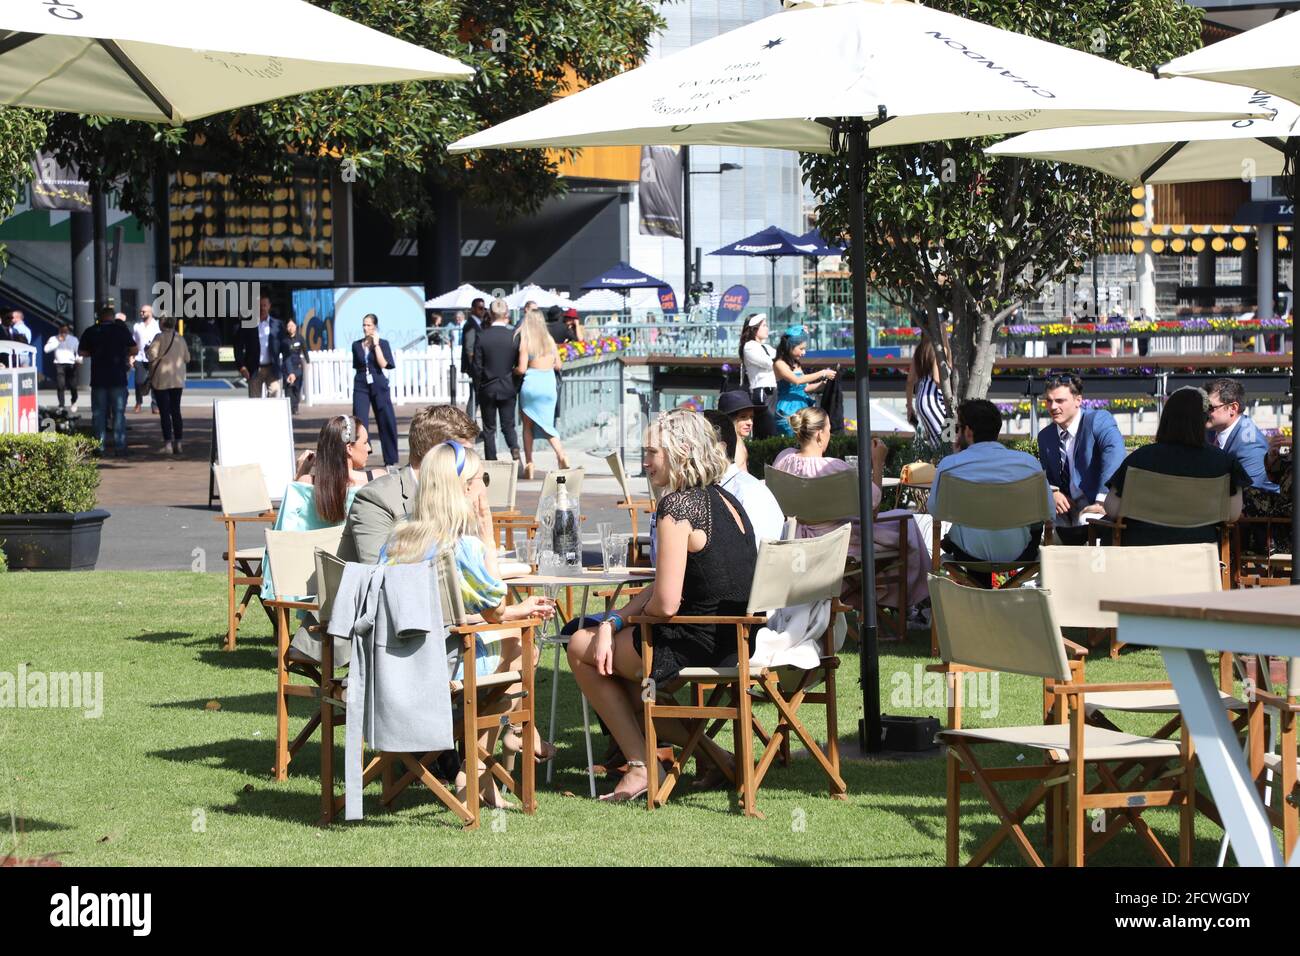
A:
x,y
166,776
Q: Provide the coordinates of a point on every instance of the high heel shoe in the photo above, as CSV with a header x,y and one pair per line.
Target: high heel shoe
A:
x,y
528,471
616,797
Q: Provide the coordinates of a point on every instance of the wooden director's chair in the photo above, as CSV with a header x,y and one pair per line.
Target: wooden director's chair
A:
x,y
244,500
987,506
1015,631
1255,563
293,573
1273,755
632,505
788,573
502,478
1171,501
1077,579
834,497
474,697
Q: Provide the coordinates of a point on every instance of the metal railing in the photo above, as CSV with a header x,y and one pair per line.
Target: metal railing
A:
x,y
44,289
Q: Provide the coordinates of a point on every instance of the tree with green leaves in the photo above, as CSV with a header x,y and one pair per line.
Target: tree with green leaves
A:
x,y
21,134
953,233
395,137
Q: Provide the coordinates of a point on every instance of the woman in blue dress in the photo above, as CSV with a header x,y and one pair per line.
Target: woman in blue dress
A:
x,y
451,477
793,385
538,363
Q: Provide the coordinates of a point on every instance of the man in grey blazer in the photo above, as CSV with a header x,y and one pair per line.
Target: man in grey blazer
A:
x,y
383,502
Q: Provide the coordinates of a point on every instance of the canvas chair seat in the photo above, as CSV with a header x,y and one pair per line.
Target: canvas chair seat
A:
x,y
1145,702
244,500
245,554
1273,762
492,681
1098,744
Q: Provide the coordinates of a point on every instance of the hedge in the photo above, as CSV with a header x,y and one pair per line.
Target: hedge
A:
x,y
46,473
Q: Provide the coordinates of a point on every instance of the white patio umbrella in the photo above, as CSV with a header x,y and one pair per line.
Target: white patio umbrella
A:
x,y
1265,58
462,297
1171,152
536,293
170,61
846,75
599,300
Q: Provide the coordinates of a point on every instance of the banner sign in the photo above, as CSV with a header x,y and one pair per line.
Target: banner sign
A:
x,y
733,303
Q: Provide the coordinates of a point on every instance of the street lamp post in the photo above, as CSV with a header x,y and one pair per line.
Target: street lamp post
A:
x,y
687,295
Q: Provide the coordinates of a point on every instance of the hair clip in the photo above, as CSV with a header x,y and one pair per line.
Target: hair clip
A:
x,y
349,429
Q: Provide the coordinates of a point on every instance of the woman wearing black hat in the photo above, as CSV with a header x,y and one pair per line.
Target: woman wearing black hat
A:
x,y
744,413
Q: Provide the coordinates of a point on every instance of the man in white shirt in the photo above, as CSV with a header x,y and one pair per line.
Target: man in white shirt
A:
x,y
759,503
146,330
64,346
980,457
19,330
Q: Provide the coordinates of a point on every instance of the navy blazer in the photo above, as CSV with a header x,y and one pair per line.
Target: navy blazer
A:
x,y
250,347
361,358
1098,453
1247,445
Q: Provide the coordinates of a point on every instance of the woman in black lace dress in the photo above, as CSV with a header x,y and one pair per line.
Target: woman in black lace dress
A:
x,y
705,556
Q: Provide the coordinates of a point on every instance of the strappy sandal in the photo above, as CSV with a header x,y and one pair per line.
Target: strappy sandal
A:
x,y
616,797
512,742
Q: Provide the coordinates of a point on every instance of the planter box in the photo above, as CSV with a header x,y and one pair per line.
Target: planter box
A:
x,y
52,542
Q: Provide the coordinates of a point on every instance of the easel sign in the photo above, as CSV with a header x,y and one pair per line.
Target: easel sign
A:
x,y
256,431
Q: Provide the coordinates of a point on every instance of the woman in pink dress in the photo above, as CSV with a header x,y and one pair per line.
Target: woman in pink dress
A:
x,y
812,429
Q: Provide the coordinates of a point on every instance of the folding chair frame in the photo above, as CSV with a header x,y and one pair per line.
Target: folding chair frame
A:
x,y
473,699
240,572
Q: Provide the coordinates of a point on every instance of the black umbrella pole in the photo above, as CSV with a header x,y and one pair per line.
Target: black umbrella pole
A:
x,y
869,731
1295,353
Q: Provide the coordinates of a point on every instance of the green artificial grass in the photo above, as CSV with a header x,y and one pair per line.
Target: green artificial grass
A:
x,y
167,777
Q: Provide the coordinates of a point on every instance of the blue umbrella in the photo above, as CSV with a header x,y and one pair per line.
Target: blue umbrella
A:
x,y
623,278
814,237
771,243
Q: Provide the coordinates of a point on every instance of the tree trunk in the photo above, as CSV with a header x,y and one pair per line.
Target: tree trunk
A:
x,y
980,375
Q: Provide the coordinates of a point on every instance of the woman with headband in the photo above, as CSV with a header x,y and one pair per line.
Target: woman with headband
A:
x,y
451,476
795,388
327,480
756,373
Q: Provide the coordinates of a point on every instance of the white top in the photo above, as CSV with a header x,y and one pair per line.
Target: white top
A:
x,y
759,357
144,333
65,352
264,341
759,503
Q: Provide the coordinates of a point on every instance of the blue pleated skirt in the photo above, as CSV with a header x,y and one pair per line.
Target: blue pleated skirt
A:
x,y
538,396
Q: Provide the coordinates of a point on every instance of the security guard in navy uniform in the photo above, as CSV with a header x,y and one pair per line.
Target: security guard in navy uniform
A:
x,y
372,357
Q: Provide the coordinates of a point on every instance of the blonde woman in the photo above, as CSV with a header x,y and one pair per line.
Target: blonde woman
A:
x,y
705,556
451,478
538,363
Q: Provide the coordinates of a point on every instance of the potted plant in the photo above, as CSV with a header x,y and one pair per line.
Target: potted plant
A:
x,y
48,518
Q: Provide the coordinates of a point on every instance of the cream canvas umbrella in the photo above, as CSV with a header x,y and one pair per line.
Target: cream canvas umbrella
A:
x,y
1184,153
1266,58
462,297
170,61
847,75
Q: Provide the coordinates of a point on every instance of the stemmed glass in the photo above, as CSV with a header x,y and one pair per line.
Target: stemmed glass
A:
x,y
551,565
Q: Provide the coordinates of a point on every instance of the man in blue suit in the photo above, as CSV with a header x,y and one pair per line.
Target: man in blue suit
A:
x,y
1080,450
1232,431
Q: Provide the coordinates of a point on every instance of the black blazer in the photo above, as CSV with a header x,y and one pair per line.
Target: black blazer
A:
x,y
361,357
496,350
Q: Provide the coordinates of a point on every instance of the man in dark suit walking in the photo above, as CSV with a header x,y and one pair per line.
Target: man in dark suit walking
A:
x,y
1080,450
260,347
496,351
469,332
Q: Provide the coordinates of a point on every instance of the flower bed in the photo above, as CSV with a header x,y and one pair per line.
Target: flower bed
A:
x,y
1195,325
1113,405
590,348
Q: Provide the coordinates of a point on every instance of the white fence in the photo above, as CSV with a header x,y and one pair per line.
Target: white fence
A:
x,y
416,376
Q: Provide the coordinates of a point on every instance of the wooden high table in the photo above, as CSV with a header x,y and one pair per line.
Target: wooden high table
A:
x,y
1184,627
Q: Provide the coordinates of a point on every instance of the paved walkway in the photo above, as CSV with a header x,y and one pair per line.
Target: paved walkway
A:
x,y
159,503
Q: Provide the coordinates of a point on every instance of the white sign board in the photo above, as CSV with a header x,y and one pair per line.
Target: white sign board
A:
x,y
257,431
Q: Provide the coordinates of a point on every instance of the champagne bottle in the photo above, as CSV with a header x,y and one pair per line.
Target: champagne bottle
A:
x,y
564,531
